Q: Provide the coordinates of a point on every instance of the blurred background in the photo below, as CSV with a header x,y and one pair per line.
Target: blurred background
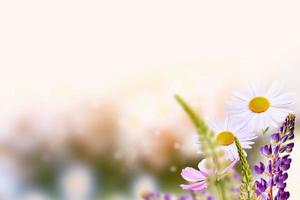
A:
x,y
87,107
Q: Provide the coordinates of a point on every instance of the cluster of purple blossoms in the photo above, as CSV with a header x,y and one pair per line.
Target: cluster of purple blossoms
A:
x,y
279,161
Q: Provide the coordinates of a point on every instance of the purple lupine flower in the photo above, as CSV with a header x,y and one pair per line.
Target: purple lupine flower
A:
x,y
279,161
184,198
167,197
151,196
260,168
261,186
275,137
266,150
210,198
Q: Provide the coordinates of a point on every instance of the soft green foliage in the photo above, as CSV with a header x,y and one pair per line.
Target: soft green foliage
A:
x,y
247,186
209,148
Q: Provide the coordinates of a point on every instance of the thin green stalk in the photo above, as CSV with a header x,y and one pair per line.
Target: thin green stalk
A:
x,y
201,127
221,190
198,122
247,177
204,135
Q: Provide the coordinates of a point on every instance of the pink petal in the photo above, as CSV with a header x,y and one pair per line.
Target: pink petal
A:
x,y
230,166
194,186
191,174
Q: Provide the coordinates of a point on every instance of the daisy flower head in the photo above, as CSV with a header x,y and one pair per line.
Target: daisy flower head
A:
x,y
260,107
199,178
226,131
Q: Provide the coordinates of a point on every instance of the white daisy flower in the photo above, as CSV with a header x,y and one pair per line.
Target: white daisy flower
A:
x,y
225,133
259,108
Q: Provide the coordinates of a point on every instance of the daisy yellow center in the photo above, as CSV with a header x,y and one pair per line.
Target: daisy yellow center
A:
x,y
259,104
225,138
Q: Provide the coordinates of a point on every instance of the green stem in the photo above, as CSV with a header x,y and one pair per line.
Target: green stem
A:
x,y
197,121
202,128
204,132
221,190
247,177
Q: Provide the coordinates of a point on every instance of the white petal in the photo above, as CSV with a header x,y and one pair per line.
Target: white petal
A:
x,y
237,105
215,126
279,114
226,123
271,121
241,97
283,100
234,152
252,122
261,122
245,137
274,90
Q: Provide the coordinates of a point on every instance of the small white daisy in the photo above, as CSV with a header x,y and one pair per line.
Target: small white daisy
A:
x,y
225,133
259,108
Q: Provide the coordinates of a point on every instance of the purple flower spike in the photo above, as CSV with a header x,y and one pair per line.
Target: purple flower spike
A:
x,y
290,147
167,197
276,150
271,183
260,168
275,137
261,185
282,149
279,161
284,138
282,195
266,150
285,163
184,198
269,167
291,136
